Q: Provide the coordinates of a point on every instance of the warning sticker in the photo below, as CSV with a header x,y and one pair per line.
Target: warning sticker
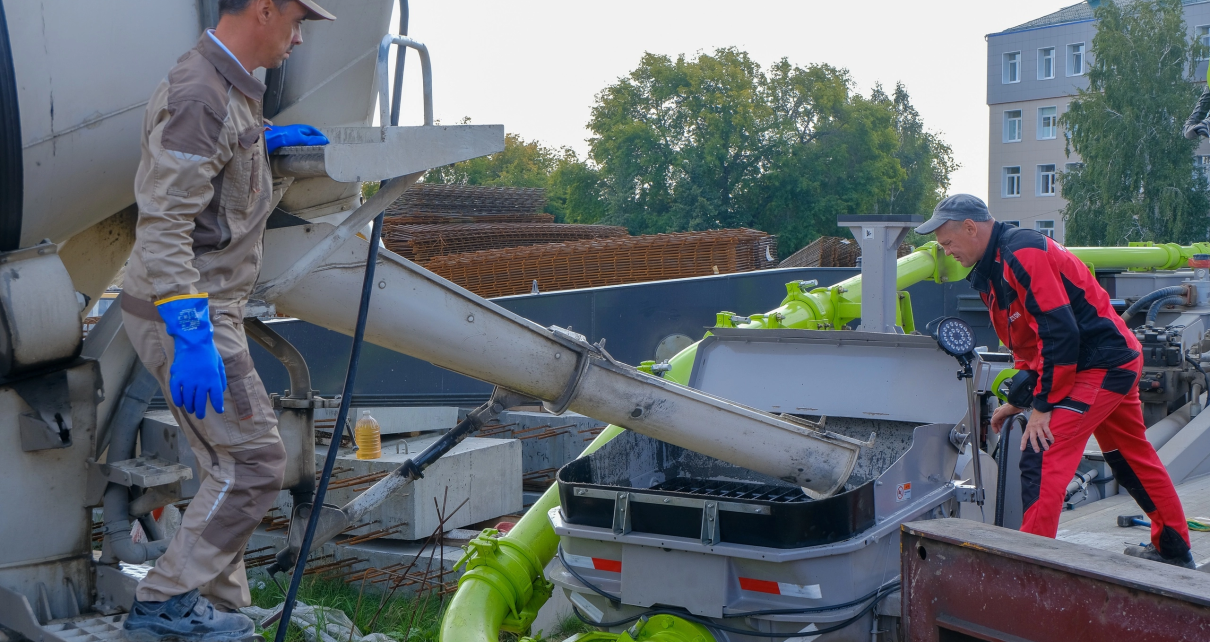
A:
x,y
903,492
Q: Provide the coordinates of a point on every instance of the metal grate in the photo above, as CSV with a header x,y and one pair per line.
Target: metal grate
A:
x,y
734,490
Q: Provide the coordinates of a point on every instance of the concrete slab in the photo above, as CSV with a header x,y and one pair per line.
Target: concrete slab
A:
x,y
486,473
547,441
1095,524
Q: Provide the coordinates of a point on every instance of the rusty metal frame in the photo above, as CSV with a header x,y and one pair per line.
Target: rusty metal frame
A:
x,y
965,580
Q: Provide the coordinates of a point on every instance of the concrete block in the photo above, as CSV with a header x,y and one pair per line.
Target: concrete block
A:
x,y
547,441
484,472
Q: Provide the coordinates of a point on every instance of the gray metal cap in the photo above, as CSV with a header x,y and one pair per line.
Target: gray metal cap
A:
x,y
958,207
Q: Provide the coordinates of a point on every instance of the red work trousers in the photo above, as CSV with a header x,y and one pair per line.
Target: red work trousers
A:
x,y
1104,403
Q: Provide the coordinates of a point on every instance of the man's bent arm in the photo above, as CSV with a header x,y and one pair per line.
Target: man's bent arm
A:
x,y
1040,285
187,148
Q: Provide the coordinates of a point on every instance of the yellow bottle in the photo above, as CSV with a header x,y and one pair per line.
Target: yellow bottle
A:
x,y
368,437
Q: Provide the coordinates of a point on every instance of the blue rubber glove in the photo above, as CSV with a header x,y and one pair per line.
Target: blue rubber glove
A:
x,y
197,369
293,135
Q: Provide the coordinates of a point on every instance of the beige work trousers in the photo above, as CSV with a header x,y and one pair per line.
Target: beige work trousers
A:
x,y
240,458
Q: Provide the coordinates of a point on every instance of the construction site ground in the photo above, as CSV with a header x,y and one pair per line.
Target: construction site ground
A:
x,y
1095,524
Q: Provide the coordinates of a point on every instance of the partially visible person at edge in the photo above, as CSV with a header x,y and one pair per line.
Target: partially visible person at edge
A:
x,y
1079,366
204,193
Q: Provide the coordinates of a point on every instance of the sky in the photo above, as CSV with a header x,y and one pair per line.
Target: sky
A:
x,y
537,65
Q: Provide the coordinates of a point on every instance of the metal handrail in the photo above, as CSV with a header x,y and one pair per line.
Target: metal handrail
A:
x,y
384,84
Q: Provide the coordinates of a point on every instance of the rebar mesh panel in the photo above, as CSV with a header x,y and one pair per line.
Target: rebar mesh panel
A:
x,y
600,262
443,219
426,198
421,243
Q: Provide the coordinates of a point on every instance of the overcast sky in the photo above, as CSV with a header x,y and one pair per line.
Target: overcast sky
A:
x,y
536,65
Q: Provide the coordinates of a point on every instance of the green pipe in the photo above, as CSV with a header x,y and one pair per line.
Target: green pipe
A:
x,y
488,595
504,590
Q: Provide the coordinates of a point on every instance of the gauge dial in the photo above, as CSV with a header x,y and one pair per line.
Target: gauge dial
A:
x,y
955,336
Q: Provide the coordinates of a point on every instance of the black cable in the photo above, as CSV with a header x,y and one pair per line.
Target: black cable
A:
x,y
894,586
1146,299
613,599
342,415
885,589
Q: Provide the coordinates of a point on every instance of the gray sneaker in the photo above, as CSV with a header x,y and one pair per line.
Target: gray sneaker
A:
x,y
189,617
1148,552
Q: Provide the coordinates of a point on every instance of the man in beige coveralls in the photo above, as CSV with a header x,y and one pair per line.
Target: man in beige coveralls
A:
x,y
204,193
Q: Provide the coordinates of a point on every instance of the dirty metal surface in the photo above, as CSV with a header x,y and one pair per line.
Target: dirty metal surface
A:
x,y
964,580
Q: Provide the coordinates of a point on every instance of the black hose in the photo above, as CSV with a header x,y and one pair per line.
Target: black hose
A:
x,y
1154,310
1146,300
342,415
1002,464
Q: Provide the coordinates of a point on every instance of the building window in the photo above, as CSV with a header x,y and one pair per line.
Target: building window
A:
x,y
1075,59
1045,227
1012,126
1046,63
1071,167
1046,180
1013,223
1202,33
1012,182
1012,67
1048,122
1201,165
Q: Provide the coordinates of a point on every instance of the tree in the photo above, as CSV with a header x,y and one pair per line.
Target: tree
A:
x,y
926,158
521,164
715,141
1137,181
570,183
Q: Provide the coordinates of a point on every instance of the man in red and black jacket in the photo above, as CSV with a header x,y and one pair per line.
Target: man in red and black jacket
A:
x,y
1051,313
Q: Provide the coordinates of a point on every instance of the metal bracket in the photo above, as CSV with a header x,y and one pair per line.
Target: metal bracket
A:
x,y
621,514
583,349
281,403
710,528
968,493
50,424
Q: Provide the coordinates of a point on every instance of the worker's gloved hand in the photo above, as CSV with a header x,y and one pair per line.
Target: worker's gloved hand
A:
x,y
1199,130
197,369
293,135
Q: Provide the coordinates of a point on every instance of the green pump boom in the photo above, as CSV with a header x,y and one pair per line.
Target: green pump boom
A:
x,y
503,587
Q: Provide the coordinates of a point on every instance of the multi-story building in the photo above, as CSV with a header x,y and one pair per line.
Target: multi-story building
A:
x,y
1033,71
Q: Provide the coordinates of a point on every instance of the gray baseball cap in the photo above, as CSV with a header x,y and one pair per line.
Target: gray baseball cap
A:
x,y
316,12
958,207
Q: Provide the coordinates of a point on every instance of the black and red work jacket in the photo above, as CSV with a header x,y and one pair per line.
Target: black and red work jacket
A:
x,y
1050,312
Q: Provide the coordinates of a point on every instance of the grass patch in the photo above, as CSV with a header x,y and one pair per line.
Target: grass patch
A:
x,y
418,620
404,618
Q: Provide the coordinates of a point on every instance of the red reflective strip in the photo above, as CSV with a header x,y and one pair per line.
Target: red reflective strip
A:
x,y
613,566
760,586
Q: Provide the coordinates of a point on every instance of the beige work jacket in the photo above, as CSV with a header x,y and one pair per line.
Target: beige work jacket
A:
x,y
203,187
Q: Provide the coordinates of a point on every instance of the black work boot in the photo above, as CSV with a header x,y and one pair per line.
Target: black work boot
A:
x,y
188,618
1148,552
